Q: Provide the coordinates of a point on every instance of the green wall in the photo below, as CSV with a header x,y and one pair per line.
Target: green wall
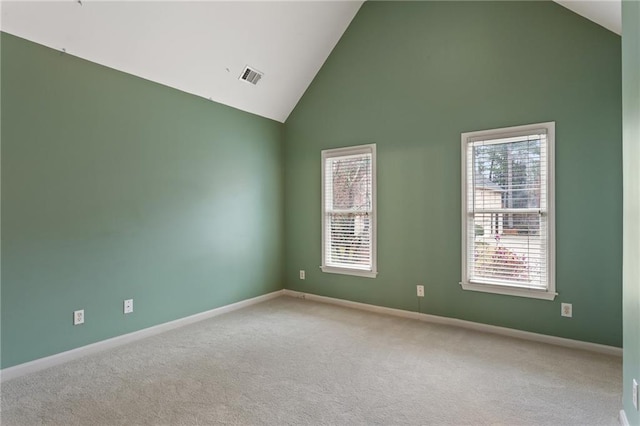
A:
x,y
114,187
631,125
410,77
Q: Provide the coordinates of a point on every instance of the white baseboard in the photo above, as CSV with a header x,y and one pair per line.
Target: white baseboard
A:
x,y
50,361
622,417
519,334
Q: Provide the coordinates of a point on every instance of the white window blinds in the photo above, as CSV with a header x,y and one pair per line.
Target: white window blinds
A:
x,y
508,237
349,210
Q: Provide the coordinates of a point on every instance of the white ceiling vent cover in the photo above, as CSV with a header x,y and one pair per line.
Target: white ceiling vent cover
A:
x,y
251,75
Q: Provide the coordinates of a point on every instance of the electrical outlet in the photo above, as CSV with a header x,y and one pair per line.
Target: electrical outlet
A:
x,y
78,317
302,274
420,290
634,394
128,306
566,310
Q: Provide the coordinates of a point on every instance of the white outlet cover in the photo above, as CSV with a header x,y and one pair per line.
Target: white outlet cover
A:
x,y
78,317
566,310
302,274
128,306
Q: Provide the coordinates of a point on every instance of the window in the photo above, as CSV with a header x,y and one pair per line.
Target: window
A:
x,y
508,244
349,210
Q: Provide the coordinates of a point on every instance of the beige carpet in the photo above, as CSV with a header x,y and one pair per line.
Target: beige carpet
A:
x,y
291,361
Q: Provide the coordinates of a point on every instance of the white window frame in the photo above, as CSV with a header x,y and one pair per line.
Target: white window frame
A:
x,y
372,272
466,138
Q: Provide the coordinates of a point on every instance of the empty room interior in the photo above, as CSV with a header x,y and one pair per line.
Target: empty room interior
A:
x,y
320,212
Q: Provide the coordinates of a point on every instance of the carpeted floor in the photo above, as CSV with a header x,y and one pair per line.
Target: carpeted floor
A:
x,y
291,361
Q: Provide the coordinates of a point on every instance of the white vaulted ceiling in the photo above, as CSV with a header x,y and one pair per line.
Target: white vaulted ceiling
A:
x,y
607,13
197,47
202,47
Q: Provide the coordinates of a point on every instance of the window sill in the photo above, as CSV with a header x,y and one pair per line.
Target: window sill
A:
x,y
346,271
510,291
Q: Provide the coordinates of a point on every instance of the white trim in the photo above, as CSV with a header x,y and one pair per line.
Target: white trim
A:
x,y
344,152
63,357
70,355
510,291
485,328
548,128
622,417
345,271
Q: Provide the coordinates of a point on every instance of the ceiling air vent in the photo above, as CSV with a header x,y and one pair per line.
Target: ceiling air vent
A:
x,y
251,75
